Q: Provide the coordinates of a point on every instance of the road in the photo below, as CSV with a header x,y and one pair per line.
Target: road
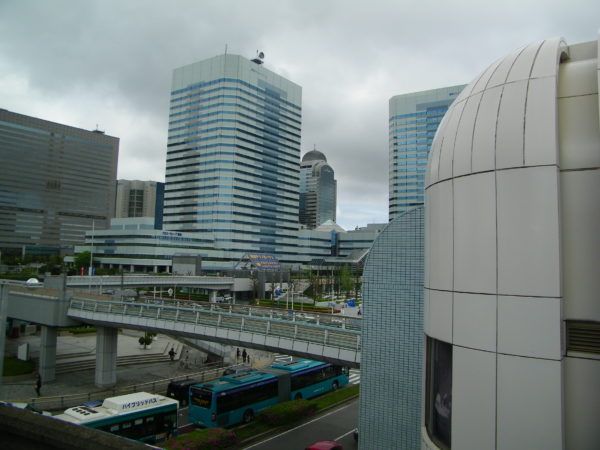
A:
x,y
336,424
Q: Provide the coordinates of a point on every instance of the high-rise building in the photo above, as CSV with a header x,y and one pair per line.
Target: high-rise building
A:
x,y
57,182
414,120
233,156
318,190
140,199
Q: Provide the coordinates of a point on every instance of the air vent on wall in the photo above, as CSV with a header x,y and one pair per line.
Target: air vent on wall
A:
x,y
583,336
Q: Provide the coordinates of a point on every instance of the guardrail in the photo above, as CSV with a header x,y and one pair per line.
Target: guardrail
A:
x,y
60,403
147,280
325,329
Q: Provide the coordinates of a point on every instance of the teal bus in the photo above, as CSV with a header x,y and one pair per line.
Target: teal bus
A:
x,y
237,398
140,416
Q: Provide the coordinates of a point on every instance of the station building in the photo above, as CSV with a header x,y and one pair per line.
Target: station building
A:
x,y
512,318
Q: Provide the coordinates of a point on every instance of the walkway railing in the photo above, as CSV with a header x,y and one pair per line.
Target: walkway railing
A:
x,y
325,329
148,280
62,402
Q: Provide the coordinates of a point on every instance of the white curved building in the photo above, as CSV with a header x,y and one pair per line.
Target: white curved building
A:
x,y
512,259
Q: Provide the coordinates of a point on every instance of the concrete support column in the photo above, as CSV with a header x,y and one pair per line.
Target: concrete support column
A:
x,y
106,357
228,355
212,296
3,314
155,269
47,366
131,268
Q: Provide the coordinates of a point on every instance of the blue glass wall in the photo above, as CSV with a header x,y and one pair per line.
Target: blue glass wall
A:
x,y
414,120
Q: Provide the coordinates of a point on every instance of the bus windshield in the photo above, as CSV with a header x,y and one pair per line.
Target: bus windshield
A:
x,y
201,397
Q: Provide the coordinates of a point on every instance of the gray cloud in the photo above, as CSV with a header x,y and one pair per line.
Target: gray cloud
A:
x,y
109,62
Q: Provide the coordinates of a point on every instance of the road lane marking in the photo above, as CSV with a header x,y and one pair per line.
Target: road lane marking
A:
x,y
299,426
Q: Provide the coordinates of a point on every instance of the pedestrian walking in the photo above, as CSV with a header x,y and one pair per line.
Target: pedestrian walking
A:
x,y
172,353
38,385
238,354
244,354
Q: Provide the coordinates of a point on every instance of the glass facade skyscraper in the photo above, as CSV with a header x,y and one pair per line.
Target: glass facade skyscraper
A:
x,y
56,181
318,190
233,156
414,120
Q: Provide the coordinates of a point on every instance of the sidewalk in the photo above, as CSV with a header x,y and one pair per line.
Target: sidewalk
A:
x,y
82,347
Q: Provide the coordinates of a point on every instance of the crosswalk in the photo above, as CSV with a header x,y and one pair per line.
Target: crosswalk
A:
x,y
354,373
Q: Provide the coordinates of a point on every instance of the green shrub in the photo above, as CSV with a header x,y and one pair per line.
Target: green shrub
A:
x,y
288,412
79,330
204,439
323,401
14,366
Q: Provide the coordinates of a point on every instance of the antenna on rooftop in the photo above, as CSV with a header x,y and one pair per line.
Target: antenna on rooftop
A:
x,y
258,59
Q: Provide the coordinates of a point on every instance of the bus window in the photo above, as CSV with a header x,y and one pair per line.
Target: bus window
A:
x,y
201,397
114,428
138,422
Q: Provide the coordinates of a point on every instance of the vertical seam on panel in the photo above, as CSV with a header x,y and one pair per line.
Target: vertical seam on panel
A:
x,y
497,269
473,130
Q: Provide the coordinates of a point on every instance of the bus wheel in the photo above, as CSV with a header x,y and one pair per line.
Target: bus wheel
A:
x,y
298,396
248,416
335,385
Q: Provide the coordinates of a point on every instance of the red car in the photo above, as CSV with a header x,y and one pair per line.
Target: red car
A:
x,y
325,445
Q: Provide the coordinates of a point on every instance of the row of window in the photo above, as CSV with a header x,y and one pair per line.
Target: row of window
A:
x,y
14,128
274,126
219,97
409,153
280,118
193,153
428,112
190,97
203,84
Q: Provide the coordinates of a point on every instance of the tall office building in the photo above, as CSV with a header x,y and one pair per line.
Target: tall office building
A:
x,y
414,120
140,199
233,156
56,181
318,190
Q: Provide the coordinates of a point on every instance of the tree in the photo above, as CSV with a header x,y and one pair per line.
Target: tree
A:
x,y
82,259
346,281
146,339
314,280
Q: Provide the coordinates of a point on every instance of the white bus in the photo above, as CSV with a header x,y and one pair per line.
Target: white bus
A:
x,y
140,416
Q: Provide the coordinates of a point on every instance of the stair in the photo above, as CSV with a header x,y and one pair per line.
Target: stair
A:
x,y
126,360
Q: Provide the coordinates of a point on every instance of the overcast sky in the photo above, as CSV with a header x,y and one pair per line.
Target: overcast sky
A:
x,y
108,63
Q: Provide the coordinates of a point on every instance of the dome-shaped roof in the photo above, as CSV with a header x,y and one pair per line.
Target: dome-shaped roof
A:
x,y
512,108
314,155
